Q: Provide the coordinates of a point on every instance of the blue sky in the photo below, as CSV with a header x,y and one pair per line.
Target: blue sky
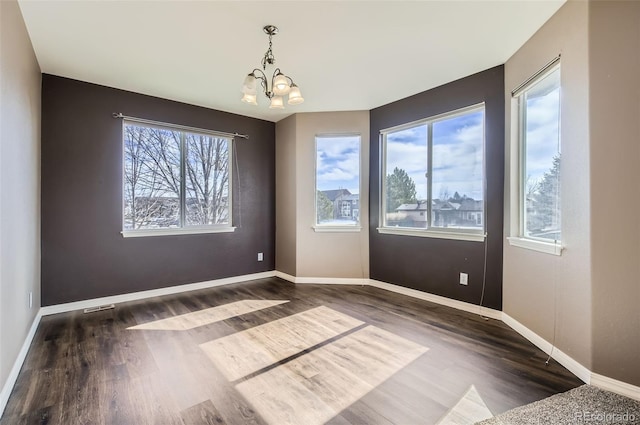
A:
x,y
457,152
543,138
338,163
457,155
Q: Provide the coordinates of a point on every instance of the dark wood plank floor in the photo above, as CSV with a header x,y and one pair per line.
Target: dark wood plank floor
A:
x,y
89,369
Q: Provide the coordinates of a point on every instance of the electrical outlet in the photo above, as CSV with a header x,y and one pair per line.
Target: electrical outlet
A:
x,y
30,299
464,279
260,256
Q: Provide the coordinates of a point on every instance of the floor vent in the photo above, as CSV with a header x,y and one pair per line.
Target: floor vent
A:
x,y
99,308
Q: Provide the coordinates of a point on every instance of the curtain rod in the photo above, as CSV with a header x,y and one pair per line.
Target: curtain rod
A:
x,y
542,70
181,127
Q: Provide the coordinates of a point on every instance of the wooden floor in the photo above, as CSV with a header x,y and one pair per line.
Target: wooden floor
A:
x,y
269,352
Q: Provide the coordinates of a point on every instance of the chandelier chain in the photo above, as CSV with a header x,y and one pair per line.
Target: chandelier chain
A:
x,y
268,56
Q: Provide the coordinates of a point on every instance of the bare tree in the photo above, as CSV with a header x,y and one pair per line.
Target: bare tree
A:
x,y
532,186
444,193
153,158
149,200
207,168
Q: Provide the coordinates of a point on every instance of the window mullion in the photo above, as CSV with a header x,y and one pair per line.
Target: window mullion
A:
x,y
429,173
183,195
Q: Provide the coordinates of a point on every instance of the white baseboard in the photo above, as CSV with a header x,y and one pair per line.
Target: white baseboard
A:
x,y
322,280
615,386
459,305
575,367
286,277
17,364
333,280
134,296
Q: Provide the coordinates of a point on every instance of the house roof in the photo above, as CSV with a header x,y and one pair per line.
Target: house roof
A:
x,y
334,193
471,205
438,205
420,206
350,197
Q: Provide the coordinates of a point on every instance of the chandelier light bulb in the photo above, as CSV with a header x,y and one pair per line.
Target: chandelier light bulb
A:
x,y
249,85
276,103
295,97
281,85
250,99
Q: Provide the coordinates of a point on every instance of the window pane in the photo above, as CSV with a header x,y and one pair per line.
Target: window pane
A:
x,y
457,169
152,177
406,183
207,180
542,158
338,180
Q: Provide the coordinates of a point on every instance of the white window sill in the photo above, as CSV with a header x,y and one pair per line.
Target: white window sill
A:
x,y
534,245
169,232
337,229
459,236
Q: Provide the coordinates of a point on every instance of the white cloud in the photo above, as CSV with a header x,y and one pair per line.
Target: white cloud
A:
x,y
543,138
413,159
457,161
338,163
458,164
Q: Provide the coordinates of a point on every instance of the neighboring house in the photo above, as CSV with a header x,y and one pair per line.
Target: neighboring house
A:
x,y
335,193
464,213
409,215
346,205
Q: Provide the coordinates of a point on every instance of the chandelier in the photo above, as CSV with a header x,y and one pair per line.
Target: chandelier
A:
x,y
281,85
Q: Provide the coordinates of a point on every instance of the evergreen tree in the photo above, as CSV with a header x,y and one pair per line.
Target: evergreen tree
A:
x,y
401,189
324,207
544,203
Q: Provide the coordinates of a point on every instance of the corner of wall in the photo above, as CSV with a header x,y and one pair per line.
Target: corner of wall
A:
x,y
286,195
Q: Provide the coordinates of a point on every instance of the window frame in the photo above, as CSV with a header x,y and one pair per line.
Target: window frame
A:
x,y
183,229
336,228
519,238
432,232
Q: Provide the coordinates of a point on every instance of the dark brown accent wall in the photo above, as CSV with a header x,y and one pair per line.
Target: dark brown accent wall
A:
x,y
83,253
429,264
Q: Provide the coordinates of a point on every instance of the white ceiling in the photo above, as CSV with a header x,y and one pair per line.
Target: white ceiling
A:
x,y
344,55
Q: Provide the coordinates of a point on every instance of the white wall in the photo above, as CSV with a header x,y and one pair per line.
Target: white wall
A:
x,y
317,254
19,184
548,294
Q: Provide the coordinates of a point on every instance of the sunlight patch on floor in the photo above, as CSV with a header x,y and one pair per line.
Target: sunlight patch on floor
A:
x,y
207,316
317,386
470,409
246,352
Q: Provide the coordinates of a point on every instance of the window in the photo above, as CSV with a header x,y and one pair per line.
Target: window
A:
x,y
434,175
337,182
539,139
175,181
